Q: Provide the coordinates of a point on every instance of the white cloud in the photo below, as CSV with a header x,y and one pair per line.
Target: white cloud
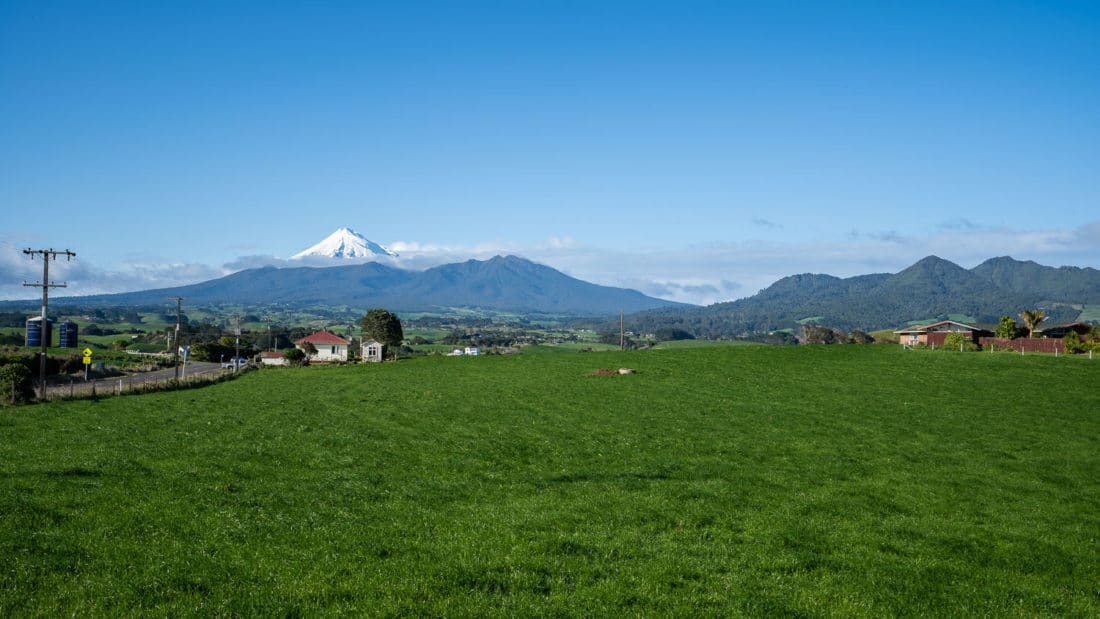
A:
x,y
86,278
699,274
715,272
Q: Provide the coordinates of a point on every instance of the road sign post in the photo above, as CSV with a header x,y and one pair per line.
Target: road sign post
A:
x,y
87,361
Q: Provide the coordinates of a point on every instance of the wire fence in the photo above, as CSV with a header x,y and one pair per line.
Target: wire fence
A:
x,y
77,389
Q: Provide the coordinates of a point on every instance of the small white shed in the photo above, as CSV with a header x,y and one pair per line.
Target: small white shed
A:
x,y
372,351
272,358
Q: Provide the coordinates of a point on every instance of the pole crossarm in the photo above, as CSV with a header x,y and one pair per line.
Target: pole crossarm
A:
x,y
41,285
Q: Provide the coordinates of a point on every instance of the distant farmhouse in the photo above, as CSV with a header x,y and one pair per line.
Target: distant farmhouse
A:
x,y
935,333
1047,339
330,347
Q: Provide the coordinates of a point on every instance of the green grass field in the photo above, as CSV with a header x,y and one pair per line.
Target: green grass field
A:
x,y
848,480
682,344
1090,313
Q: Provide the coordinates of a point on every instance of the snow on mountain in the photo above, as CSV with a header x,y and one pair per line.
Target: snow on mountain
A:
x,y
346,244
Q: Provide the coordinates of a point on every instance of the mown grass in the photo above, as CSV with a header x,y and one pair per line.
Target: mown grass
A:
x,y
854,481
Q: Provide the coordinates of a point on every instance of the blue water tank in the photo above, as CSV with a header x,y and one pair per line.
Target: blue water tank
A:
x,y
67,335
34,331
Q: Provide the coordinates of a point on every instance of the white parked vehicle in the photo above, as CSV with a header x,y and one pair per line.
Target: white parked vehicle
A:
x,y
235,364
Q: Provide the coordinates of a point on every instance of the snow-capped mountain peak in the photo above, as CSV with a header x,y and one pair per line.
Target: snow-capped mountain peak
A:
x,y
346,244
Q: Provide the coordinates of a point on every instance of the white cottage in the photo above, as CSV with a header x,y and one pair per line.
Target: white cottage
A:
x,y
330,347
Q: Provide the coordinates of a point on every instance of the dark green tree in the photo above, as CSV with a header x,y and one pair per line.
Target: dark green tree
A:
x,y
669,334
294,356
385,328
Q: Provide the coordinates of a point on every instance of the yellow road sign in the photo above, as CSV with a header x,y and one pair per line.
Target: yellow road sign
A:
x,y
87,352
87,360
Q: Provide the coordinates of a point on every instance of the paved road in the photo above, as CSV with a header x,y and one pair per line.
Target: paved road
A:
x,y
108,385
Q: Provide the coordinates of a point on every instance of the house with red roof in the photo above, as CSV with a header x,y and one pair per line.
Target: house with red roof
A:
x,y
330,347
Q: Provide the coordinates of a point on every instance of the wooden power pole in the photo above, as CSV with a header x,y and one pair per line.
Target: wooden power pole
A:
x,y
176,341
622,331
45,285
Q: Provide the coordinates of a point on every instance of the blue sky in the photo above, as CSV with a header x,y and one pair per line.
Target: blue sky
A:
x,y
693,150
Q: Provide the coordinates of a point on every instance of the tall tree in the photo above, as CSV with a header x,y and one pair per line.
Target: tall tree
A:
x,y
1007,328
1032,318
385,328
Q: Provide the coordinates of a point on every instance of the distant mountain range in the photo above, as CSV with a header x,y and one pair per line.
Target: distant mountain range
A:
x,y
503,283
933,288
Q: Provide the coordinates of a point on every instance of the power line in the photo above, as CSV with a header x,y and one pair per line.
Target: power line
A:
x,y
45,285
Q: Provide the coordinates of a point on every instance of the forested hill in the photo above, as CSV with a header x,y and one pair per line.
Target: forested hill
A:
x,y
933,288
502,283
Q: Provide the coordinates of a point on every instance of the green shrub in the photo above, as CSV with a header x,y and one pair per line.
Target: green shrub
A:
x,y
1073,343
15,384
959,341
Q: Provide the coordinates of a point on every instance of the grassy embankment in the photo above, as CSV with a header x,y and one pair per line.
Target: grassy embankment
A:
x,y
861,481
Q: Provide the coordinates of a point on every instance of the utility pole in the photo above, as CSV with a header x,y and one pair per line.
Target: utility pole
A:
x,y
237,349
45,285
176,348
622,332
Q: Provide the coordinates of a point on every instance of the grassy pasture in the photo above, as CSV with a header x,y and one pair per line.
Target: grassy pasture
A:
x,y
847,480
570,347
1090,313
681,344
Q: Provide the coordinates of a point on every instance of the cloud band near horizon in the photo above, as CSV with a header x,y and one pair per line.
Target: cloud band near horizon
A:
x,y
699,274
